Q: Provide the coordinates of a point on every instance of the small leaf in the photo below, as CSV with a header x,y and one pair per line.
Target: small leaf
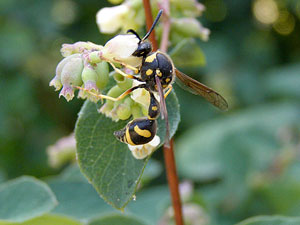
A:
x,y
117,220
271,220
25,198
193,55
47,219
78,200
107,163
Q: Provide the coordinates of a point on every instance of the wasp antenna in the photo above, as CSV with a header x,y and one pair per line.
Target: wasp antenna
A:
x,y
153,25
135,33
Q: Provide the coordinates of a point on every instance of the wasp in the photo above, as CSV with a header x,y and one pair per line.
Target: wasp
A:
x,y
157,74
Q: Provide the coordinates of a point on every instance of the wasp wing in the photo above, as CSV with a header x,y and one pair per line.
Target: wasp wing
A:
x,y
163,110
197,88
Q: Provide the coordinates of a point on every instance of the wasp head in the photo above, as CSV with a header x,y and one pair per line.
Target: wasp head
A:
x,y
144,48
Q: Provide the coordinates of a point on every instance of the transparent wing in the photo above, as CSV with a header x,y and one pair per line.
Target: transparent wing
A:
x,y
195,87
163,110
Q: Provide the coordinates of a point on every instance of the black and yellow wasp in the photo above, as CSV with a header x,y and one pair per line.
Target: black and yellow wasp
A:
x,y
157,73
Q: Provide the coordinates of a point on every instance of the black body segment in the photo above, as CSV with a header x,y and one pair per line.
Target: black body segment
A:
x,y
137,132
153,110
157,64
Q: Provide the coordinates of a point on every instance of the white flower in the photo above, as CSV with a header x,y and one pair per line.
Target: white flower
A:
x,y
120,49
142,151
110,19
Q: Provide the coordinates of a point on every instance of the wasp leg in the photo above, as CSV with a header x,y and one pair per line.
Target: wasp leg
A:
x,y
100,96
134,69
168,91
124,74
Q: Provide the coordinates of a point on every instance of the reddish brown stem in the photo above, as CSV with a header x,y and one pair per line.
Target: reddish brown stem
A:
x,y
173,182
168,151
149,21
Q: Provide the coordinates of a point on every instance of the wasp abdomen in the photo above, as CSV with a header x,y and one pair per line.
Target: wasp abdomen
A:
x,y
137,132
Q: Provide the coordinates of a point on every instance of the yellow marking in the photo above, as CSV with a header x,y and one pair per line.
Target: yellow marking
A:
x,y
128,138
149,72
150,58
154,108
144,133
165,85
169,91
158,73
168,80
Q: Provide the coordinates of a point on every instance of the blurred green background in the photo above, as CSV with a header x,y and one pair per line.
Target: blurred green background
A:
x,y
243,162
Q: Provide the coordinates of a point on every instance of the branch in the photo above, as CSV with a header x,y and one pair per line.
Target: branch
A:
x,y
168,151
149,21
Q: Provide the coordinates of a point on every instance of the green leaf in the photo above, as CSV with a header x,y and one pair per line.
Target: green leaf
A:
x,y
78,200
71,173
117,220
271,220
25,198
47,219
108,163
193,55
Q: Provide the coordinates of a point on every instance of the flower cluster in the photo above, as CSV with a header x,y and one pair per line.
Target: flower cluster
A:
x,y
85,67
129,15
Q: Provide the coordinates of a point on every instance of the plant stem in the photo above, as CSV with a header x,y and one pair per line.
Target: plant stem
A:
x,y
168,151
149,21
173,182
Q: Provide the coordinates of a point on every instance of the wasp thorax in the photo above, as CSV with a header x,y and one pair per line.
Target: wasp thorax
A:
x,y
144,48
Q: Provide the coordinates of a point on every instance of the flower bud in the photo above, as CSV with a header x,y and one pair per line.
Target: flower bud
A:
x,y
110,19
190,27
55,82
102,71
62,63
94,57
78,47
89,78
106,109
67,91
123,111
71,75
136,111
115,92
89,74
120,49
123,82
115,2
